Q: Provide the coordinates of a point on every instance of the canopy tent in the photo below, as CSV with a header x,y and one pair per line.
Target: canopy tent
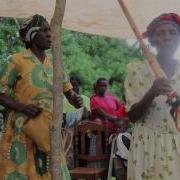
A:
x,y
102,17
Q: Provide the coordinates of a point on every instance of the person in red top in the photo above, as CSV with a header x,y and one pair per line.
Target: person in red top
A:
x,y
106,107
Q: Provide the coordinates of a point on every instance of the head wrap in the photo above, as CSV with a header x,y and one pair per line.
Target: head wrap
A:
x,y
30,27
168,18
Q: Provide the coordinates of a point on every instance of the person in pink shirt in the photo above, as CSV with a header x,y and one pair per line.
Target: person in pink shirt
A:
x,y
107,108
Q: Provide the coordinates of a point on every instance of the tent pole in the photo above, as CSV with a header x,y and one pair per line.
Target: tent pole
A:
x,y
56,138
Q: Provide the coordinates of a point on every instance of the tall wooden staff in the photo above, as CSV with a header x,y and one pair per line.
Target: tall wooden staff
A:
x,y
148,55
56,137
173,99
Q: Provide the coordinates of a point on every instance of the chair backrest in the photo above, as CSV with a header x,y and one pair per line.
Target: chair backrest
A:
x,y
67,139
82,133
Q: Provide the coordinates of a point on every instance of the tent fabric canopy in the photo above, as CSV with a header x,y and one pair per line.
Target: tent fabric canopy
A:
x,y
102,17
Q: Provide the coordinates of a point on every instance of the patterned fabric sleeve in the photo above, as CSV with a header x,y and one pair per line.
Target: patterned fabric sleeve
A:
x,y
66,83
131,86
8,76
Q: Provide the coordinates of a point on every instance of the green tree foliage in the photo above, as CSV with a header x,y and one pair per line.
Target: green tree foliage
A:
x,y
93,56
9,38
89,56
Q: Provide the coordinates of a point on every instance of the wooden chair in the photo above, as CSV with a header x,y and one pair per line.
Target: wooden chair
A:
x,y
82,152
67,139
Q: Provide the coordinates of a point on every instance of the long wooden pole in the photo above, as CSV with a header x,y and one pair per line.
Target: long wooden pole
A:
x,y
172,98
148,55
56,138
158,72
111,158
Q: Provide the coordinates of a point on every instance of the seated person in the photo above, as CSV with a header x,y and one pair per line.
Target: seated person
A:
x,y
107,108
123,144
72,114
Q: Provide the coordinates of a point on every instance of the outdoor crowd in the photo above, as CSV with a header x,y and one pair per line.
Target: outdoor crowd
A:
x,y
150,151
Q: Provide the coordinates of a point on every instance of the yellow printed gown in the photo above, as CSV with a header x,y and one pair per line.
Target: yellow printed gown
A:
x,y
29,81
155,144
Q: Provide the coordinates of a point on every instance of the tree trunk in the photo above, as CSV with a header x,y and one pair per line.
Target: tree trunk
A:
x,y
56,138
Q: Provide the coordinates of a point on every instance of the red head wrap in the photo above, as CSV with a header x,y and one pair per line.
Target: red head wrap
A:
x,y
162,19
